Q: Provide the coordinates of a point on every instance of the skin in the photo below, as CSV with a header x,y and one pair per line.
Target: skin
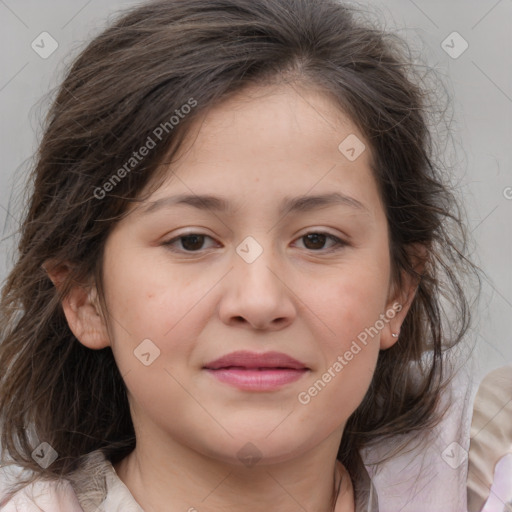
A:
x,y
256,148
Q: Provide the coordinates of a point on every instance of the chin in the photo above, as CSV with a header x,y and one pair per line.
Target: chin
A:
x,y
250,448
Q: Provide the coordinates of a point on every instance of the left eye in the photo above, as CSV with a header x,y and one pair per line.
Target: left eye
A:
x,y
317,239
314,241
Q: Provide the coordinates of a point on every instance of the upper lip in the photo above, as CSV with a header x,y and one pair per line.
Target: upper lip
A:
x,y
246,359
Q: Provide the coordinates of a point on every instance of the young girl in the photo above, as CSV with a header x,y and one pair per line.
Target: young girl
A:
x,y
234,274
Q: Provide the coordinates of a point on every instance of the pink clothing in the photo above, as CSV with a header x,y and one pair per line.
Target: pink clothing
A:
x,y
110,496
44,496
490,455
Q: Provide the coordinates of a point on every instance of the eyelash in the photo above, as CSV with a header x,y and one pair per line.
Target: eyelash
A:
x,y
340,244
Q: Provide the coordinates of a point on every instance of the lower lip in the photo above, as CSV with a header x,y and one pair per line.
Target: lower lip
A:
x,y
257,380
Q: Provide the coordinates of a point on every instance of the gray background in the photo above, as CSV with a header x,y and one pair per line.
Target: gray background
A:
x,y
479,82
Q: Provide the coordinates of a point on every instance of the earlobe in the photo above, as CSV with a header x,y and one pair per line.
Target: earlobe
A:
x,y
82,311
401,299
396,312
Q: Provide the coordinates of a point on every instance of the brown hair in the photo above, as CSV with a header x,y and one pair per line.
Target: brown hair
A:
x,y
131,79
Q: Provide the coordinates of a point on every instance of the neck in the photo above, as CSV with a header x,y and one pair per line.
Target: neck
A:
x,y
180,479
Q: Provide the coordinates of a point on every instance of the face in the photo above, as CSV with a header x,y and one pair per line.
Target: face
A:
x,y
285,275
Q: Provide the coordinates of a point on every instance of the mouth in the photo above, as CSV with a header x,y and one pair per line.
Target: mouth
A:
x,y
251,371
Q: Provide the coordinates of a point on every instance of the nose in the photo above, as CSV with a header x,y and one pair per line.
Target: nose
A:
x,y
256,295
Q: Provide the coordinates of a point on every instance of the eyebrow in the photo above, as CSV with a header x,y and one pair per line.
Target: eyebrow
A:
x,y
298,204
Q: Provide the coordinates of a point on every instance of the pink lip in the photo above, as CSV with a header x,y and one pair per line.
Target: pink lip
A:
x,y
256,372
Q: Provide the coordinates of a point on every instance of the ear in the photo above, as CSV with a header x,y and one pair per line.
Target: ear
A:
x,y
81,308
400,299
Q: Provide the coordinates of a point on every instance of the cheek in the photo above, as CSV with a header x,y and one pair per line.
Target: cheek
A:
x,y
148,301
349,302
350,349
156,316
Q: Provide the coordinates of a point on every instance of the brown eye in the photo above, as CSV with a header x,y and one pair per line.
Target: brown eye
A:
x,y
189,243
315,241
192,242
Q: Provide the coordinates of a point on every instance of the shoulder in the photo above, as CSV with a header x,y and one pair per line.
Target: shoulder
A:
x,y
67,494
99,488
93,487
493,397
43,496
428,468
491,438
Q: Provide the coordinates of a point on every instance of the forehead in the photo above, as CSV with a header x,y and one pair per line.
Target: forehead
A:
x,y
284,118
268,142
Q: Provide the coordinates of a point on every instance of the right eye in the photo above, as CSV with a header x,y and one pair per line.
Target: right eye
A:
x,y
191,242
